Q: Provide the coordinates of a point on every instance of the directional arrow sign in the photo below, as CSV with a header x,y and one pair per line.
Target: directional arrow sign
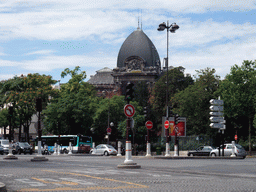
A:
x,y
217,125
217,119
216,102
216,108
216,113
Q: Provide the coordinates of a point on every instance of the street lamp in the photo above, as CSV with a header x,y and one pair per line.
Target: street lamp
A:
x,y
172,28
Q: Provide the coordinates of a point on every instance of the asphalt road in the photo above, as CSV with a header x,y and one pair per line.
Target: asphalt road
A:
x,y
100,173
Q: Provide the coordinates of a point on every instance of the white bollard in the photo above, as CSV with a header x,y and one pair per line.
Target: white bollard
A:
x,y
55,149
167,152
39,148
58,149
69,150
148,150
176,151
233,149
93,145
128,152
10,149
119,148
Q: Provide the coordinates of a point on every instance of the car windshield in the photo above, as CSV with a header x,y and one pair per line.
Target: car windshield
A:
x,y
5,142
239,146
24,144
109,146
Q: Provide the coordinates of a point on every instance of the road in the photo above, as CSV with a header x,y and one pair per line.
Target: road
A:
x,y
100,173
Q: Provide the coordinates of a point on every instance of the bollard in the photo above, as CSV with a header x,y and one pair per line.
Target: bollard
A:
x,y
176,151
58,149
148,150
128,152
55,149
69,150
93,145
233,149
167,152
119,148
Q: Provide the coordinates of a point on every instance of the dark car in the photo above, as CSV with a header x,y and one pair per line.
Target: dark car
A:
x,y
1,150
23,147
201,151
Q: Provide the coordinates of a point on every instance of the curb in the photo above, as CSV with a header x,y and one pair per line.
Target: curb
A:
x,y
2,187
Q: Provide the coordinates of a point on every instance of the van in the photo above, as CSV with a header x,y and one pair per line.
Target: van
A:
x,y
5,144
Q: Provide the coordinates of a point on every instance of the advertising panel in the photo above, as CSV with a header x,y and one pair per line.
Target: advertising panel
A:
x,y
181,127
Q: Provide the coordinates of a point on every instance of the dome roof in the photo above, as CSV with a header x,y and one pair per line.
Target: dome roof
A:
x,y
138,44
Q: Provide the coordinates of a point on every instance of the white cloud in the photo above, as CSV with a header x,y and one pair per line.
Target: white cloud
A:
x,y
41,52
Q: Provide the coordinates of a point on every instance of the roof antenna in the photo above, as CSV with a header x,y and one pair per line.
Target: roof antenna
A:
x,y
138,21
141,19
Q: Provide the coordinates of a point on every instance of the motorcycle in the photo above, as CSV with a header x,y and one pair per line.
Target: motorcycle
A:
x,y
45,150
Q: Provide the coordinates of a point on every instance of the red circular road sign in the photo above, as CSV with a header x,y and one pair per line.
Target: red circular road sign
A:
x,y
235,137
129,110
166,124
149,124
109,130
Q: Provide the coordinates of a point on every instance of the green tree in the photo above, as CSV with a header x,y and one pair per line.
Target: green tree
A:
x,y
239,94
22,92
4,120
72,112
177,81
193,102
112,109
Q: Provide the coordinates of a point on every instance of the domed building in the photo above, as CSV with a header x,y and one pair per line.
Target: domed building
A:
x,y
138,60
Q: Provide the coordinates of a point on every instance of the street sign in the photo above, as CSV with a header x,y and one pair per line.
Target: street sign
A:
x,y
235,137
166,124
216,108
217,119
216,113
129,110
149,124
217,125
216,102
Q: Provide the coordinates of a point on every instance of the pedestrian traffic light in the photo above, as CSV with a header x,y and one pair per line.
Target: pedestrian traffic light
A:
x,y
176,119
39,104
129,92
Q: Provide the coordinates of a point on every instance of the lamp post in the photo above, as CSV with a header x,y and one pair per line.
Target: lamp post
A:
x,y
172,28
109,124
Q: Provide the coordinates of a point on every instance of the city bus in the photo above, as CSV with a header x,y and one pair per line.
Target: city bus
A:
x,y
79,143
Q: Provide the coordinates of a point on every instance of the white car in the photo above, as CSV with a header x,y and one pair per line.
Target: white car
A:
x,y
104,149
239,151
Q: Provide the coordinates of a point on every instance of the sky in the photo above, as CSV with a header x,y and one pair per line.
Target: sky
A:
x,y
47,36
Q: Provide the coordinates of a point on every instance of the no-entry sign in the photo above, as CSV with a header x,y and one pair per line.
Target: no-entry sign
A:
x,y
166,124
149,124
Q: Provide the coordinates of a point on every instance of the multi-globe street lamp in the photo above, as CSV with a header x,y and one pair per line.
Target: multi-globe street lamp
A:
x,y
172,28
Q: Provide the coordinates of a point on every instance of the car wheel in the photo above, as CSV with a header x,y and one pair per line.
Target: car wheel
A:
x,y
213,155
106,153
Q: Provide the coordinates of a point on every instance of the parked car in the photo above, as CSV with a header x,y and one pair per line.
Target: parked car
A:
x,y
239,151
23,147
201,151
1,150
104,149
5,144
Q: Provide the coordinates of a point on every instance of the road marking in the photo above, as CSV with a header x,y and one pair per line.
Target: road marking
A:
x,y
44,181
100,178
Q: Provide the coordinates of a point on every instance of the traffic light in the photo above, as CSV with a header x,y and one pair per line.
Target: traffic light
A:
x,y
145,111
129,92
176,119
39,104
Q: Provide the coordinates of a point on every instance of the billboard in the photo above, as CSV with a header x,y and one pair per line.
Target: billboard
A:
x,y
180,127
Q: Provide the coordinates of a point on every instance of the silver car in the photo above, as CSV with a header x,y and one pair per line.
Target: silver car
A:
x,y
104,149
239,151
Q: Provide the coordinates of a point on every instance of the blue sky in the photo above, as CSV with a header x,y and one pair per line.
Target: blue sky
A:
x,y
48,36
